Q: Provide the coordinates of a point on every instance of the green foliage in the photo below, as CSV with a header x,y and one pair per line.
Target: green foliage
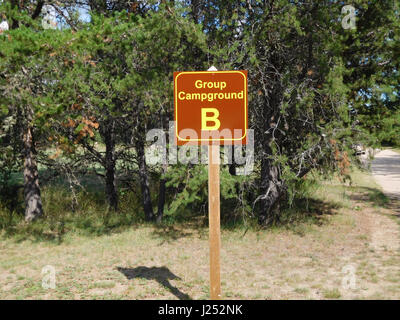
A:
x,y
372,62
93,91
89,216
190,185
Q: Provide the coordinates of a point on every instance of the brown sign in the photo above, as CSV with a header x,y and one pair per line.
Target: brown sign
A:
x,y
210,107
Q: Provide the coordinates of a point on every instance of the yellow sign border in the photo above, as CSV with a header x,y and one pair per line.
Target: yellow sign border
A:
x,y
176,106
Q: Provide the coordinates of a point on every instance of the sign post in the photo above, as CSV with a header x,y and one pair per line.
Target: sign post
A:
x,y
211,109
214,221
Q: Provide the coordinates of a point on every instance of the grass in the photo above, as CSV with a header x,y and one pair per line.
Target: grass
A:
x,y
125,258
331,294
301,290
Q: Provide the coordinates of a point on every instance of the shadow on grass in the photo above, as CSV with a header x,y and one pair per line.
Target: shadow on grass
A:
x,y
316,207
377,198
372,195
160,274
170,233
53,228
304,213
35,231
395,207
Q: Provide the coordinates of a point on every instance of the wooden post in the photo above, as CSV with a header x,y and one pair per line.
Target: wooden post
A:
x,y
198,121
214,221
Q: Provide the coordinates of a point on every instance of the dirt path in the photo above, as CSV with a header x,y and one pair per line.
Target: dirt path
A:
x,y
386,170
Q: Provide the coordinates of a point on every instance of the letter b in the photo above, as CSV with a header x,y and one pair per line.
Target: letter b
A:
x,y
214,118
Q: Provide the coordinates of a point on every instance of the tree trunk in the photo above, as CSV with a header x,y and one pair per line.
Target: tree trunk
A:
x,y
161,196
144,182
270,190
111,189
232,165
270,183
33,201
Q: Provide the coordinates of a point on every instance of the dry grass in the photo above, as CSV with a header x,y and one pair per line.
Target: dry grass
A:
x,y
305,262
